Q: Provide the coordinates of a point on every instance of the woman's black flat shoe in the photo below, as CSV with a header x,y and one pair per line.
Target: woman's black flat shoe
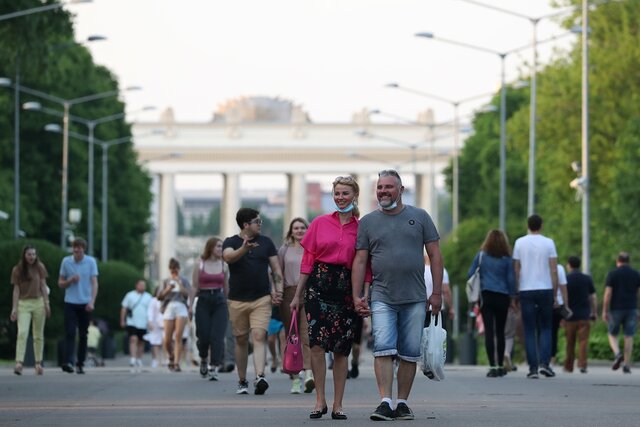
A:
x,y
338,415
316,413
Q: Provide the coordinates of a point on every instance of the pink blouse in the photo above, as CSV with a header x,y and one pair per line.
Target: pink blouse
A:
x,y
328,241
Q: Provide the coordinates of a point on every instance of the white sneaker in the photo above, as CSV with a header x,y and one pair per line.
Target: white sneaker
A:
x,y
309,384
296,386
139,363
154,363
213,373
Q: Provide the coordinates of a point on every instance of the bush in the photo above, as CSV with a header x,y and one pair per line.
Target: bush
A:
x,y
598,347
115,280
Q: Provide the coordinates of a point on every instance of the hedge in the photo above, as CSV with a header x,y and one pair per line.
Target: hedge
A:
x,y
115,280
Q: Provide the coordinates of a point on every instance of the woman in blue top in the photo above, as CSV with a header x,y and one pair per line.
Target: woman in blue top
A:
x,y
498,286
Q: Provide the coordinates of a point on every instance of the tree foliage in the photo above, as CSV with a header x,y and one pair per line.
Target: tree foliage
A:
x,y
614,85
39,49
614,155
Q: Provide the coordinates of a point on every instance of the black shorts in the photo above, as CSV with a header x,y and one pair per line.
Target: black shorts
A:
x,y
132,330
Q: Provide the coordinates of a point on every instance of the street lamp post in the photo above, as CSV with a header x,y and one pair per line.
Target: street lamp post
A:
x,y
503,109
17,233
105,145
414,154
455,197
534,20
67,104
586,238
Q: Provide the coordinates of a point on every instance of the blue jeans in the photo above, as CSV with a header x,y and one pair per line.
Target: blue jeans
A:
x,y
537,315
397,329
76,317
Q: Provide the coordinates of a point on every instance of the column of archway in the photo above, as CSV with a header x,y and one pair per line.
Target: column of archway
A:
x,y
296,198
365,200
426,197
230,204
167,223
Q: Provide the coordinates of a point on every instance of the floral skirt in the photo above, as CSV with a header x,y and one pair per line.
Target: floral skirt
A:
x,y
329,306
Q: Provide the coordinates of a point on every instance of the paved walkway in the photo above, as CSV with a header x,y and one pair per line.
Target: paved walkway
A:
x,y
112,396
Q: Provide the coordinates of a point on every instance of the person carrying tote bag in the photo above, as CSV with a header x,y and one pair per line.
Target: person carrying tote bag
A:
x,y
497,293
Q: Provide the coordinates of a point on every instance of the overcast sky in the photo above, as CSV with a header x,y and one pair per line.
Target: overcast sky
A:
x,y
333,57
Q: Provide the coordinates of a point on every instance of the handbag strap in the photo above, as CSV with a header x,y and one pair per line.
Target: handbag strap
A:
x,y
293,328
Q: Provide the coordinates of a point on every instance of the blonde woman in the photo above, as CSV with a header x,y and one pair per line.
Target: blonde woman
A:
x,y
30,305
174,296
325,278
211,286
290,258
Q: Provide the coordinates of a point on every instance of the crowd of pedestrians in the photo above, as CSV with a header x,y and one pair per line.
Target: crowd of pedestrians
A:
x,y
336,274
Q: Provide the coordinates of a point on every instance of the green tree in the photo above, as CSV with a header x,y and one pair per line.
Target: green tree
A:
x,y
48,59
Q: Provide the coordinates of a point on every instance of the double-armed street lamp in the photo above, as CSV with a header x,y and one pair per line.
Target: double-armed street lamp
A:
x,y
67,104
91,125
105,145
6,82
534,20
502,55
455,197
413,146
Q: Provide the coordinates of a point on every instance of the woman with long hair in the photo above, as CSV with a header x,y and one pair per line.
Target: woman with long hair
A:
x,y
290,257
211,286
30,305
175,297
498,292
325,278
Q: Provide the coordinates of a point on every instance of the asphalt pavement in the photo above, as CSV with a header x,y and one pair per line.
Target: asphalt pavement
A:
x,y
113,396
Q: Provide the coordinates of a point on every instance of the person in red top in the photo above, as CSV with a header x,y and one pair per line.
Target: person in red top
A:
x,y
325,275
210,285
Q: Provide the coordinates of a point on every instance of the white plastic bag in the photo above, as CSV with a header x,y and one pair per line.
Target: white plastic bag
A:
x,y
433,352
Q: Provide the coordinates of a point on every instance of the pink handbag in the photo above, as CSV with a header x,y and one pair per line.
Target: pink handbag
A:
x,y
292,361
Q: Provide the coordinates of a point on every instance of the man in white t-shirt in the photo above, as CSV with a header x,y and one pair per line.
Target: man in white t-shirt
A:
x,y
535,263
133,318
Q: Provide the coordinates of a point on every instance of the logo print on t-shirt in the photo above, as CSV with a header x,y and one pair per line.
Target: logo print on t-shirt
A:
x,y
411,222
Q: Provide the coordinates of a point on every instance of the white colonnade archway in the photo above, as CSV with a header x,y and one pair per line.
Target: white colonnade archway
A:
x,y
293,150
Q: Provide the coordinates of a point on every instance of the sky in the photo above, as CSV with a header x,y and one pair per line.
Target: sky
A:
x,y
332,57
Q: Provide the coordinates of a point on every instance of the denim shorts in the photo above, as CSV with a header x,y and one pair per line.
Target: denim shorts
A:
x,y
628,319
174,310
397,329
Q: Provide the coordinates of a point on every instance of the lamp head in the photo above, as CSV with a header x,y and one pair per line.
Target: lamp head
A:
x,y
32,105
53,127
575,166
425,34
5,82
96,38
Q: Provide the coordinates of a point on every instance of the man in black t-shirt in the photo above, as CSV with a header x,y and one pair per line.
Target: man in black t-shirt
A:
x,y
251,294
584,304
620,308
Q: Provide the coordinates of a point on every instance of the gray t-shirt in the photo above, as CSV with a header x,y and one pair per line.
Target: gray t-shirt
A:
x,y
396,250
